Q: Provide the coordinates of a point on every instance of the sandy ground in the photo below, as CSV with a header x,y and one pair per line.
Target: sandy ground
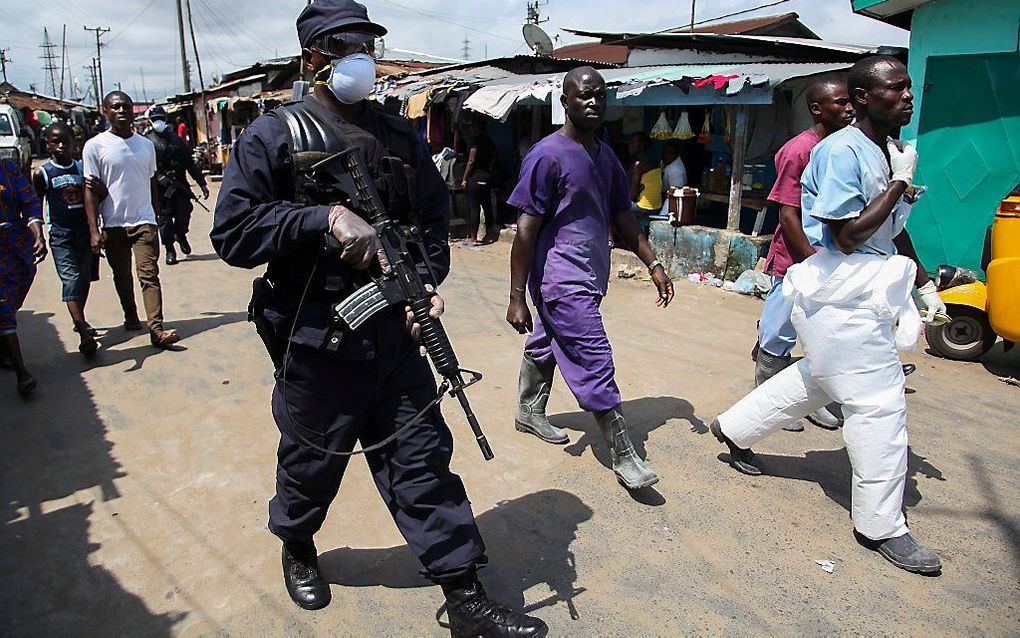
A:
x,y
135,485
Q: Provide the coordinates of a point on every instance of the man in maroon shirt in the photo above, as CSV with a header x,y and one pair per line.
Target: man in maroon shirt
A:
x,y
831,111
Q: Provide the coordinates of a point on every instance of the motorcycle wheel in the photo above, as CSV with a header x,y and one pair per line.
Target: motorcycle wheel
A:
x,y
966,337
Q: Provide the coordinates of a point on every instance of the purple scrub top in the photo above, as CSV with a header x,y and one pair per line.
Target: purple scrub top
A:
x,y
578,195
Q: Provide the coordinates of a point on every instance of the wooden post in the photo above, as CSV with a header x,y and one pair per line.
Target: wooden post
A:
x,y
739,146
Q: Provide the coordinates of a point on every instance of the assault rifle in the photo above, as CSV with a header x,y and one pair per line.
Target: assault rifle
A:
x,y
171,185
402,285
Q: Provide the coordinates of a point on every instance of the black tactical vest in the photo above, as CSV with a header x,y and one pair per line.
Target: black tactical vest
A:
x,y
388,153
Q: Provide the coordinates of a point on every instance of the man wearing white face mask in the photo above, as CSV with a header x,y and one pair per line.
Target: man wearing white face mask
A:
x,y
336,386
172,161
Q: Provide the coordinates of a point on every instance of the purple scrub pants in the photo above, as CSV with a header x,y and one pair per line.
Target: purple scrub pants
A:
x,y
569,331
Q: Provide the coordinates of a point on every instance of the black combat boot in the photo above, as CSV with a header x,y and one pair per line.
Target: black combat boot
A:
x,y
301,573
185,246
473,614
171,256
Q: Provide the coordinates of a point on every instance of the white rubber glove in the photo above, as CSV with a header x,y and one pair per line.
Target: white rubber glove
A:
x,y
903,160
932,301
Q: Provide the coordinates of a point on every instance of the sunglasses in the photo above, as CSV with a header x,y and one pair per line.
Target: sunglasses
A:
x,y
345,43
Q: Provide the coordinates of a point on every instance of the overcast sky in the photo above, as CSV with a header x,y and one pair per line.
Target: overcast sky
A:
x,y
143,41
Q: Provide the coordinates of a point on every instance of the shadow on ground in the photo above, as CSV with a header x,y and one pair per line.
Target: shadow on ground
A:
x,y
55,447
831,470
528,541
115,336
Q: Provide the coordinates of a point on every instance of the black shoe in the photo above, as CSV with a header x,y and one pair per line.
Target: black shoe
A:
x,y
26,385
171,257
473,614
132,324
908,369
740,459
904,552
301,574
185,246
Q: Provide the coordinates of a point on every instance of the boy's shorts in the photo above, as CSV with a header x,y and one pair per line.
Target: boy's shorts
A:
x,y
77,266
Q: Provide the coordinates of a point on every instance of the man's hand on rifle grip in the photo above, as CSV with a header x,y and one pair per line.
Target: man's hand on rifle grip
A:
x,y
359,243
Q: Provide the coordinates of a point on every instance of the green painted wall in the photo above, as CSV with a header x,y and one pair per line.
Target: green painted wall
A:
x,y
959,27
968,137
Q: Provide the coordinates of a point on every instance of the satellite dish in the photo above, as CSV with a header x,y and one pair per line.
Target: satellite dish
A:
x,y
537,39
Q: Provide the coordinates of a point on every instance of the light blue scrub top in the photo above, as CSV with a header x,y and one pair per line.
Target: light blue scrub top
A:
x,y
846,172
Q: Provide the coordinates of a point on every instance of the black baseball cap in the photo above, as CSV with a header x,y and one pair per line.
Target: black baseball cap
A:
x,y
157,113
322,17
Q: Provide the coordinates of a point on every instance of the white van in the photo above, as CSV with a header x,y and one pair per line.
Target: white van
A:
x,y
15,143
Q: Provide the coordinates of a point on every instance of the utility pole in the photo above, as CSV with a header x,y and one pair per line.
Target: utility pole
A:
x,y
201,80
63,62
100,31
184,50
466,48
693,4
49,60
3,62
145,98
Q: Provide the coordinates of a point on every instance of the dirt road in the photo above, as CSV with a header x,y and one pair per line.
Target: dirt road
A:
x,y
135,485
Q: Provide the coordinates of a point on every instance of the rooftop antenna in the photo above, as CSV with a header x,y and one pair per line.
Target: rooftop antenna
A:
x,y
537,39
533,12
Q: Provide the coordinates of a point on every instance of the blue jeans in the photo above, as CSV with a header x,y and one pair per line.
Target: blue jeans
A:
x,y
776,334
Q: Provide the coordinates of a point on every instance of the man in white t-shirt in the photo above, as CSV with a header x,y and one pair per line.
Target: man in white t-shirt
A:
x,y
126,163
674,174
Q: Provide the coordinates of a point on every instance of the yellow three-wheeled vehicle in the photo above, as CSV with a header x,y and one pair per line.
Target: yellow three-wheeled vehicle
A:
x,y
980,312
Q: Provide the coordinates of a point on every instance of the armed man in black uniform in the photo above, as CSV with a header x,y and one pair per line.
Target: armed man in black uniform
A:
x,y
173,159
339,386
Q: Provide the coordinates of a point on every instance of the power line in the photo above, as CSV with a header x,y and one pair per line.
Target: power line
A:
x,y
456,24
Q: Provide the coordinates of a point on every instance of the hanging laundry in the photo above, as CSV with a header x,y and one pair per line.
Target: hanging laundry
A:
x,y
717,81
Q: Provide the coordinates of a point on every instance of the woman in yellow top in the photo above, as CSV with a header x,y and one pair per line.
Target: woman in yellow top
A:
x,y
645,181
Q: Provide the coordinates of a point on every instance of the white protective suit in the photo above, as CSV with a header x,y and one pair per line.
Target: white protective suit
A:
x,y
852,313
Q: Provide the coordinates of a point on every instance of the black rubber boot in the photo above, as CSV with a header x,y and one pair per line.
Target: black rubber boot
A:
x,y
742,460
301,574
631,470
472,614
532,397
904,552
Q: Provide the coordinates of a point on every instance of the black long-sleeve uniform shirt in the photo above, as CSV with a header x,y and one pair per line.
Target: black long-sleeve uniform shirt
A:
x,y
257,222
173,155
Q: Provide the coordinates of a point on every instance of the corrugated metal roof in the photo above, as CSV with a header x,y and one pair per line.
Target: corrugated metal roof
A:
x,y
498,97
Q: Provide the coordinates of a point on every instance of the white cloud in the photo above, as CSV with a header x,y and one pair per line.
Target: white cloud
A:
x,y
233,33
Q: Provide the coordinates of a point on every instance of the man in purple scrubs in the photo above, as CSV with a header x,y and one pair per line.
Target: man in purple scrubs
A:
x,y
572,193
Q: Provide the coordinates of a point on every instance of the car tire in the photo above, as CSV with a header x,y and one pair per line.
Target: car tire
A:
x,y
967,336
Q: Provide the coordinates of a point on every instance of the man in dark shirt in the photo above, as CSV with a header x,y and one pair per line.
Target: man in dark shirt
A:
x,y
337,386
173,159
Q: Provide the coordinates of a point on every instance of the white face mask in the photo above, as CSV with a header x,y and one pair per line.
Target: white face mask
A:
x,y
159,125
351,78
